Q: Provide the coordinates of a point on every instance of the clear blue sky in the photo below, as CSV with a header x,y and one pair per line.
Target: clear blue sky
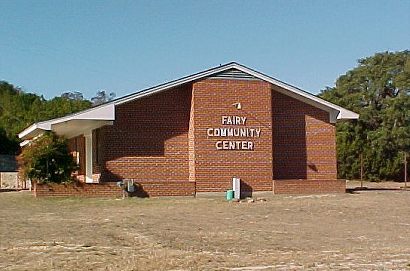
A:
x,y
49,47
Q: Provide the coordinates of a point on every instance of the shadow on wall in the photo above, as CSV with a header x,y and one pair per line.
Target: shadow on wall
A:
x,y
143,126
142,134
246,190
312,166
138,192
289,137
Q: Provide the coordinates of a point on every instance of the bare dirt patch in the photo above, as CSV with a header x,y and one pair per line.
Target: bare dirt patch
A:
x,y
363,230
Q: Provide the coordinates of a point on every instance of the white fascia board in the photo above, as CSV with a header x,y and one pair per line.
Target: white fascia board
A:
x,y
24,143
28,130
347,114
44,125
28,141
103,112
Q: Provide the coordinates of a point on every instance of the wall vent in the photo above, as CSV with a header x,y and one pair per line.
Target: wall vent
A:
x,y
233,74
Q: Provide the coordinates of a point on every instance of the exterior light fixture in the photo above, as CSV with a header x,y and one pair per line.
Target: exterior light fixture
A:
x,y
237,106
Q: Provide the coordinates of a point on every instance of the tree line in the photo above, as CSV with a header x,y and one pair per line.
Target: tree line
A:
x,y
378,89
19,109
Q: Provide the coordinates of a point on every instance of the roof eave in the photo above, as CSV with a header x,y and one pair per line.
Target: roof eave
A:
x,y
105,112
35,129
347,115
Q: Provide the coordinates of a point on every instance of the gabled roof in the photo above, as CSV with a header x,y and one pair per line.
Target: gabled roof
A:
x,y
287,89
108,109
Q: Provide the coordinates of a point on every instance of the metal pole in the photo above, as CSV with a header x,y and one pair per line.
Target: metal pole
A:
x,y
361,170
405,170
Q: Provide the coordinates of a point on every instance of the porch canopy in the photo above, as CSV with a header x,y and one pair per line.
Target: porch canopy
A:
x,y
72,125
81,123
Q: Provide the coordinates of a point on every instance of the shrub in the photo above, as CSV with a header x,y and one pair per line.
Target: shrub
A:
x,y
48,160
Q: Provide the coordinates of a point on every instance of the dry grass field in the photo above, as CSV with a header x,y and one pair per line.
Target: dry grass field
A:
x,y
365,230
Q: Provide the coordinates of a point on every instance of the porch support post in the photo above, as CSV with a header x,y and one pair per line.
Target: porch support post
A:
x,y
88,157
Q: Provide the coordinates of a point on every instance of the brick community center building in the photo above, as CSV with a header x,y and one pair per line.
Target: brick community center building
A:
x,y
196,133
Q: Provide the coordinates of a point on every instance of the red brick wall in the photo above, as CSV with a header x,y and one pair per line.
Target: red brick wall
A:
x,y
304,143
309,186
77,190
144,189
161,188
149,139
214,169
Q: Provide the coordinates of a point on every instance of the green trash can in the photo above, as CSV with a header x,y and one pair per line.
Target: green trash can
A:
x,y
229,194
